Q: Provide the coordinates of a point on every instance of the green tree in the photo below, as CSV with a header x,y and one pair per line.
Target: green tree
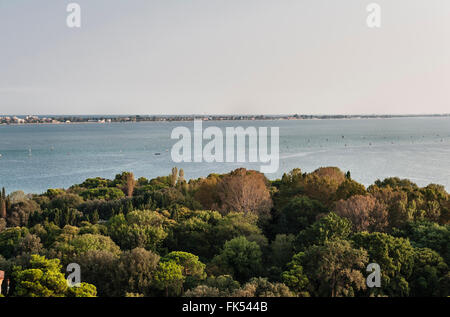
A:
x,y
87,242
169,277
138,229
329,228
239,258
43,278
333,269
298,214
193,269
95,183
100,268
106,193
135,271
282,249
294,277
428,274
67,250
426,234
10,239
83,290
349,188
395,256
280,252
203,232
224,283
64,201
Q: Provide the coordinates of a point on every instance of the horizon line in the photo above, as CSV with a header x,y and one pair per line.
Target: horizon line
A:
x,y
238,114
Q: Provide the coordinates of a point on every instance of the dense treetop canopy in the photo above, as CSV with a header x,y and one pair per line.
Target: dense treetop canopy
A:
x,y
236,234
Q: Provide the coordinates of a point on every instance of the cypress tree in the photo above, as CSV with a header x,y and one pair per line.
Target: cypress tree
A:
x,y
3,203
95,217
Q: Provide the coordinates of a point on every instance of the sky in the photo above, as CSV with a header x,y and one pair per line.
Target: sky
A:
x,y
224,57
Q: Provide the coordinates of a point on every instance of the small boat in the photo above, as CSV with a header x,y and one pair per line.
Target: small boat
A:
x,y
157,153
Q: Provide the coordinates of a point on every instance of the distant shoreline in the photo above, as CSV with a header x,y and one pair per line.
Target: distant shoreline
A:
x,y
79,119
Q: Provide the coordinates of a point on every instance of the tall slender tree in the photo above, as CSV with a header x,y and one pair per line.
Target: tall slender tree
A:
x,y
3,203
174,176
131,183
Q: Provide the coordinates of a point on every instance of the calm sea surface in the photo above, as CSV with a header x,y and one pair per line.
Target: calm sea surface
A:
x,y
37,157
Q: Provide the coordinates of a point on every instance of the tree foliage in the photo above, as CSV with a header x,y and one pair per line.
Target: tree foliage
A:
x,y
234,234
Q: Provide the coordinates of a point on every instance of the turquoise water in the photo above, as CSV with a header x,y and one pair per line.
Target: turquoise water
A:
x,y
37,157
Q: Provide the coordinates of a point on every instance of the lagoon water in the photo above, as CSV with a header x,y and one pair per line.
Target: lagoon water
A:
x,y
37,157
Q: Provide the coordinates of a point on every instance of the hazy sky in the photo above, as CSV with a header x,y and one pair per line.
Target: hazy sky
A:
x,y
224,56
